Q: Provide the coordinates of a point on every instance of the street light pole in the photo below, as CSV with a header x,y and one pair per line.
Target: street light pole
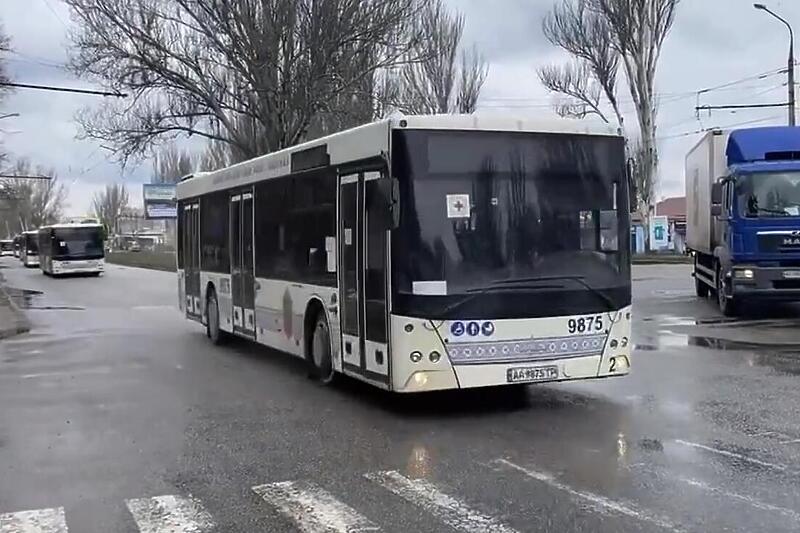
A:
x,y
763,7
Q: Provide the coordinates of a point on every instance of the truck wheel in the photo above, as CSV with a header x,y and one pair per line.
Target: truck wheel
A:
x,y
726,305
320,359
700,288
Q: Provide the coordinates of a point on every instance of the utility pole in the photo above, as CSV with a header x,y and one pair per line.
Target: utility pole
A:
x,y
791,103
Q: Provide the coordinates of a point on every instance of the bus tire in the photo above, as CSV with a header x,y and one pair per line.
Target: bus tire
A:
x,y
320,358
213,330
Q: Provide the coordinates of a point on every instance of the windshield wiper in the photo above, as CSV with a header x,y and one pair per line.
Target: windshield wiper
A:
x,y
774,211
579,279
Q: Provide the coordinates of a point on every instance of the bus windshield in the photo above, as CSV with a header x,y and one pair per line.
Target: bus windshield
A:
x,y
32,243
488,212
6,246
77,243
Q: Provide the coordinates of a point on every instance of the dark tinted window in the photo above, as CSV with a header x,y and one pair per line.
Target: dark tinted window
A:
x,y
294,215
214,253
180,232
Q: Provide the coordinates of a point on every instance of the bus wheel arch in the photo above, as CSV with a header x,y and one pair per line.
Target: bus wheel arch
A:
x,y
317,343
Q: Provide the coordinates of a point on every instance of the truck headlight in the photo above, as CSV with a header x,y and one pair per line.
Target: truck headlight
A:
x,y
744,273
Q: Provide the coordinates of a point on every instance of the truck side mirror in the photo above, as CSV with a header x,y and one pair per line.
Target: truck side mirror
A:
x,y
716,194
716,210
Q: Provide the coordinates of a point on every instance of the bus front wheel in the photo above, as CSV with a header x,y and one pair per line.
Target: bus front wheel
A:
x,y
320,359
213,330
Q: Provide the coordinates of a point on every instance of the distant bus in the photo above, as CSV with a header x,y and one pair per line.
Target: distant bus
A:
x,y
421,253
29,249
7,247
71,249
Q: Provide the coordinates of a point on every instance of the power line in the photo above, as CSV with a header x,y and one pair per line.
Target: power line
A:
x,y
61,89
24,177
55,14
704,130
737,106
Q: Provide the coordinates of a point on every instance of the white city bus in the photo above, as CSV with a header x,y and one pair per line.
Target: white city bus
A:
x,y
29,248
6,247
420,253
75,248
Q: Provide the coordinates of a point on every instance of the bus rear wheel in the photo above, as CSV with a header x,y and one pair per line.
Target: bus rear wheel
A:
x,y
320,358
213,330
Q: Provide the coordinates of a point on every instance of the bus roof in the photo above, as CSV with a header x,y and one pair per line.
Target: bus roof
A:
x,y
71,225
372,140
30,232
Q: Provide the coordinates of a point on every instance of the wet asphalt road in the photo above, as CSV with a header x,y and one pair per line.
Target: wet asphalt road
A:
x,y
114,412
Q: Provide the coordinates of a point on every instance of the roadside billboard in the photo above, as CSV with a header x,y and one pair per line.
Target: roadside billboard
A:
x,y
160,201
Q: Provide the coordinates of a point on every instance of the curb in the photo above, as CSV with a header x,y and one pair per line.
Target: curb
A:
x,y
21,322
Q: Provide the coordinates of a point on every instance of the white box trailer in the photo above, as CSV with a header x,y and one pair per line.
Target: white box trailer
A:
x,y
705,163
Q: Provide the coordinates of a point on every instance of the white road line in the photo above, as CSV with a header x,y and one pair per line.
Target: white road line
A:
x,y
600,503
726,453
36,521
742,498
453,512
170,514
313,509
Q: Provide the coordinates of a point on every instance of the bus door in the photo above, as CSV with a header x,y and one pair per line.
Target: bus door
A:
x,y
364,222
242,270
191,259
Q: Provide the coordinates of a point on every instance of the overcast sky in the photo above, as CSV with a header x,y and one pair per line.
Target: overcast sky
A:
x,y
712,43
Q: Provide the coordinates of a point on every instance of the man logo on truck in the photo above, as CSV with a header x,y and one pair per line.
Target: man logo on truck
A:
x,y
791,241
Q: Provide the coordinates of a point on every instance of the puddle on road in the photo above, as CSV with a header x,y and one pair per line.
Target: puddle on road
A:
x,y
31,299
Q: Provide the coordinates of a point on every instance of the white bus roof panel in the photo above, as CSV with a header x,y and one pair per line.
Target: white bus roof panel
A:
x,y
372,140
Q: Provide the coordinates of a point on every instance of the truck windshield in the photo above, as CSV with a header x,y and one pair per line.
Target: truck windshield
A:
x,y
768,194
489,213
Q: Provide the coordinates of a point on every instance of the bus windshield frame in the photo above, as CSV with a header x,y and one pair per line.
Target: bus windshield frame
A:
x,y
73,243
509,224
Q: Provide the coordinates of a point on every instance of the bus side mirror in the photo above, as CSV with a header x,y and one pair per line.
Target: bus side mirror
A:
x,y
395,205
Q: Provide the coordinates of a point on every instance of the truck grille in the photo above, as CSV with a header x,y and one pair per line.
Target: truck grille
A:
x,y
783,242
523,350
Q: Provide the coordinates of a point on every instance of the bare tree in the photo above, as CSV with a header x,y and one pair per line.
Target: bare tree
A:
x,y
601,34
32,203
253,74
5,48
215,156
444,78
109,205
586,34
171,164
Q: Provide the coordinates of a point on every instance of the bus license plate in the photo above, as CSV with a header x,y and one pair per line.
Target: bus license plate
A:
x,y
530,374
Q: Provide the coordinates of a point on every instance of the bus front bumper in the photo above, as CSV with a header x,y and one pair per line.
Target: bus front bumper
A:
x,y
491,375
78,267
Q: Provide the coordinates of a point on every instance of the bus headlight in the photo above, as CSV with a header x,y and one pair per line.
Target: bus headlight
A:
x,y
416,356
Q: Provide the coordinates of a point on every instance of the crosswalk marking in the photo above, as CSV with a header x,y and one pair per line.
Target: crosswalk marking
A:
x,y
35,521
313,509
453,512
600,503
170,514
